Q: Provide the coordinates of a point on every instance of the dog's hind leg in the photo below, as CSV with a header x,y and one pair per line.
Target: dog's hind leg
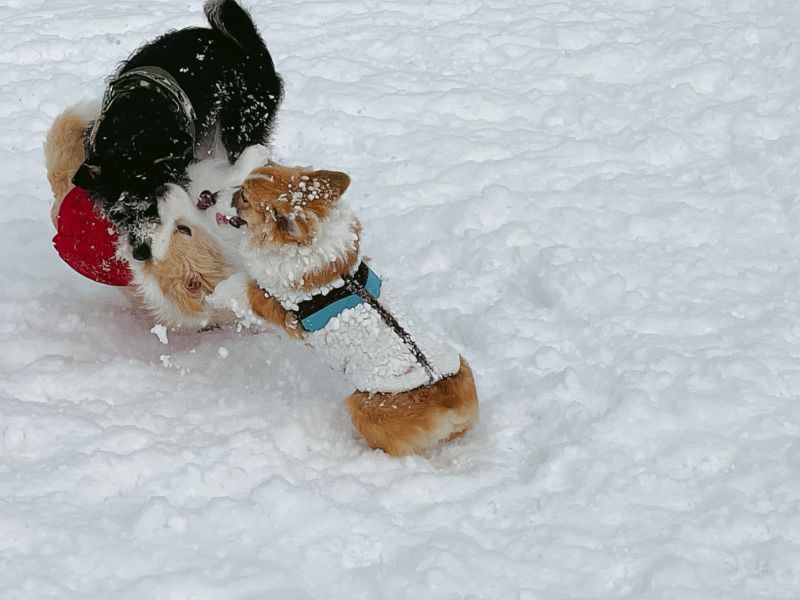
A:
x,y
64,149
416,421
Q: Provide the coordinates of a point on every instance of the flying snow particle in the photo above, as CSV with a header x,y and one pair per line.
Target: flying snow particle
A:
x,y
161,333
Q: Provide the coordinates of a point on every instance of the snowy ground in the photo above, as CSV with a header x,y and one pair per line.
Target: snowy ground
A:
x,y
596,198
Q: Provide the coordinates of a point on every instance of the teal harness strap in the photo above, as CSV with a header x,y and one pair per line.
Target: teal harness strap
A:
x,y
339,302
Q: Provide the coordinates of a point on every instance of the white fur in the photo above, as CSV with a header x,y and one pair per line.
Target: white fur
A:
x,y
86,110
281,268
218,175
176,205
231,295
215,175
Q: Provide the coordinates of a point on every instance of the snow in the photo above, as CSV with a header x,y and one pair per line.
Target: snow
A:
x,y
161,333
595,199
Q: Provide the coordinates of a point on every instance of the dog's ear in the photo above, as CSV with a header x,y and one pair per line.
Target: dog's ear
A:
x,y
86,176
334,181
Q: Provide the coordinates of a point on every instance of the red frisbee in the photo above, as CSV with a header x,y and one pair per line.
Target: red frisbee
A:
x,y
87,242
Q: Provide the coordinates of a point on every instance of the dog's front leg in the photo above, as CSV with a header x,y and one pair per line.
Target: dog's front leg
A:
x,y
269,309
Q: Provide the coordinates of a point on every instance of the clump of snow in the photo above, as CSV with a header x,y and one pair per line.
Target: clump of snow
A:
x,y
160,332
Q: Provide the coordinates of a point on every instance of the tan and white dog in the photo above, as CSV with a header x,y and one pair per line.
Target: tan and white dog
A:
x,y
302,252
193,251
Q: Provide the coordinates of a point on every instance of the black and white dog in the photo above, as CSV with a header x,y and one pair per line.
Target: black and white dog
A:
x,y
170,104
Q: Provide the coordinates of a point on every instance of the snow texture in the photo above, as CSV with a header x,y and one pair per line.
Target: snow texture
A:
x,y
596,199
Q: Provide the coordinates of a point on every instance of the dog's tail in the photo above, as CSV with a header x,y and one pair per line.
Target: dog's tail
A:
x,y
234,22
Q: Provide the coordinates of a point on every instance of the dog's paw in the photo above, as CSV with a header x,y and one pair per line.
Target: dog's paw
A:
x,y
292,326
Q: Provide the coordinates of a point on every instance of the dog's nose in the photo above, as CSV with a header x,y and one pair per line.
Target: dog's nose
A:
x,y
142,252
206,200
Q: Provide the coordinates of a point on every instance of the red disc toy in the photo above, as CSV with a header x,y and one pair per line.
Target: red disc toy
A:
x,y
87,242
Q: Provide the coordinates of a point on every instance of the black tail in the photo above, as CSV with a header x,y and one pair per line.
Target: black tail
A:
x,y
234,22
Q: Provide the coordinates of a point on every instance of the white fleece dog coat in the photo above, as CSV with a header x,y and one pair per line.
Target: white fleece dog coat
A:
x,y
376,343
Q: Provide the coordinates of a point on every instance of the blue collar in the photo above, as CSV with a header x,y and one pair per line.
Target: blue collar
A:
x,y
314,314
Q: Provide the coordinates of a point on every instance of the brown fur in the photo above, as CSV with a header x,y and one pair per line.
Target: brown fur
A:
x,y
269,309
192,268
264,202
403,423
415,421
63,154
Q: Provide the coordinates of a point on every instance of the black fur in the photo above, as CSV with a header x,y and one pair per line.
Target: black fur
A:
x,y
228,75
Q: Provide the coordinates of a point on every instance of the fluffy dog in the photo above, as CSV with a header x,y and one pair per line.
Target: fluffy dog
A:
x,y
171,103
193,252
302,251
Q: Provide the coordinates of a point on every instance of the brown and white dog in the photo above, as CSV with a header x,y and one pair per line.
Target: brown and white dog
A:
x,y
302,251
193,252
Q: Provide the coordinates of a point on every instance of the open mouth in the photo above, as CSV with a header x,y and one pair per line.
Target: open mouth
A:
x,y
206,200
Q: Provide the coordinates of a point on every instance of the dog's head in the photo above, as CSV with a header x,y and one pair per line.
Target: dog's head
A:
x,y
187,261
284,205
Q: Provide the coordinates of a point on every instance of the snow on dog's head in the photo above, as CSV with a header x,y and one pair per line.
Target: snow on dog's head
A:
x,y
284,205
299,235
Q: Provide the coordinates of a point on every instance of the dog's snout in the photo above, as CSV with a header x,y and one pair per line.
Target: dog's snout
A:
x,y
236,222
206,200
142,252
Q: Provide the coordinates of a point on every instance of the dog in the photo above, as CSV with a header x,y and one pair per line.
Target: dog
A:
x,y
302,253
194,252
193,249
173,102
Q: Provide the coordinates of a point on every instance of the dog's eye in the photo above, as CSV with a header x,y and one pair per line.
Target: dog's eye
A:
x,y
184,230
238,198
